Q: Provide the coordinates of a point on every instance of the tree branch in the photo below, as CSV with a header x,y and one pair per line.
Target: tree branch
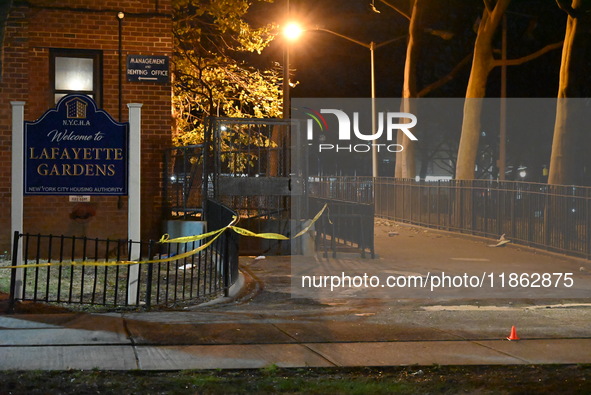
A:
x,y
442,81
527,58
567,7
489,4
496,14
397,9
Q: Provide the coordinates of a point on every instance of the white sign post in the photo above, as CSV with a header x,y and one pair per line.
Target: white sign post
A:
x,y
134,197
16,204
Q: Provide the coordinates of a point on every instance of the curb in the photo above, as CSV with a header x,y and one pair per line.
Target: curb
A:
x,y
235,290
244,289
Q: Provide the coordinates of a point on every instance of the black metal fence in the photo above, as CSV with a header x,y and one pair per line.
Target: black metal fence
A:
x,y
552,217
345,226
80,270
227,246
349,221
343,188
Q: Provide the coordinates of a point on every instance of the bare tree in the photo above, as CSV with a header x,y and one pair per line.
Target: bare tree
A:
x,y
483,63
572,68
405,160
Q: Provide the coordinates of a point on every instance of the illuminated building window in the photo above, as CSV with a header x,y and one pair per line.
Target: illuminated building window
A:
x,y
76,71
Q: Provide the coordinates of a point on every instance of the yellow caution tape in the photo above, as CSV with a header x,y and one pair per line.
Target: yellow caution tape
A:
x,y
120,263
307,228
270,236
187,239
277,236
179,256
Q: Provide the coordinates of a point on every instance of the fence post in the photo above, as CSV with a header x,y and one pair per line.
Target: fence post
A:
x,y
450,204
134,205
500,197
13,274
458,205
486,193
149,276
513,199
410,197
387,197
420,187
226,264
473,200
17,186
429,206
437,201
588,223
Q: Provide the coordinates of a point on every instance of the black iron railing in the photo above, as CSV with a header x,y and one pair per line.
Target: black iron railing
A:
x,y
349,221
87,271
345,226
226,247
552,217
345,188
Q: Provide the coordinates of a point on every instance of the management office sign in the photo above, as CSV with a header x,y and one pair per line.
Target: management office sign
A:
x,y
143,68
76,149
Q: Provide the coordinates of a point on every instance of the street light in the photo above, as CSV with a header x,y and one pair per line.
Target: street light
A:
x,y
371,46
291,32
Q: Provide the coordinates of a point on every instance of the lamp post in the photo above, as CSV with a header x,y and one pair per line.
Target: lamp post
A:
x,y
291,32
372,46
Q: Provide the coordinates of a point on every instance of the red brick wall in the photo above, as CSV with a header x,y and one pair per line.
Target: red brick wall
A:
x,y
31,31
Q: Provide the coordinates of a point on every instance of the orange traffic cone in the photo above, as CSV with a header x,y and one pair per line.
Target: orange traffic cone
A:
x,y
513,335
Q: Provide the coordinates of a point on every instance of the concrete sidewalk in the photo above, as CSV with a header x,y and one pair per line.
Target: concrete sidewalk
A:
x,y
267,326
88,341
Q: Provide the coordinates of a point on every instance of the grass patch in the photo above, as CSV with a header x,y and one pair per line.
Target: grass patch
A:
x,y
544,379
5,276
98,289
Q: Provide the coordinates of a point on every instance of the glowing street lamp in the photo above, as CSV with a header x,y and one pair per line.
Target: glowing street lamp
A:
x,y
292,31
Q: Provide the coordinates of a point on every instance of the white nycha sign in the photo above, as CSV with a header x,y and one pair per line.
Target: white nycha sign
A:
x,y
353,135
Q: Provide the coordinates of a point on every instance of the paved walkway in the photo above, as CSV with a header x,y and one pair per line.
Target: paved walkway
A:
x,y
264,325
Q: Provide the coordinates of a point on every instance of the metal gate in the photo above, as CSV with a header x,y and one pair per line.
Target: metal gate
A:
x,y
245,163
252,165
251,172
184,189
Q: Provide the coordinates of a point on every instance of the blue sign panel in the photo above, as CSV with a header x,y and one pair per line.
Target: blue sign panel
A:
x,y
76,149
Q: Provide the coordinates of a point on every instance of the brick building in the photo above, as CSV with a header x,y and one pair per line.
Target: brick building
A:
x,y
44,43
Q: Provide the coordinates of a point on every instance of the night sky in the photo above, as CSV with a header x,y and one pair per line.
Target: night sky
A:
x,y
328,66
324,65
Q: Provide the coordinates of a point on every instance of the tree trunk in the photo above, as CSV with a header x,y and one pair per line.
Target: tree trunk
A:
x,y
275,145
405,160
564,144
482,64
